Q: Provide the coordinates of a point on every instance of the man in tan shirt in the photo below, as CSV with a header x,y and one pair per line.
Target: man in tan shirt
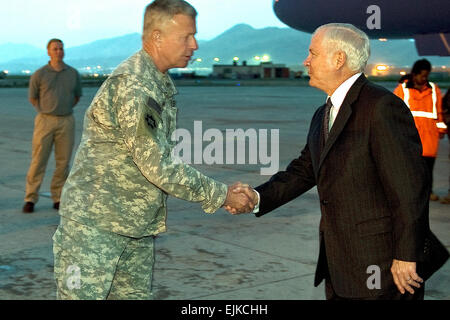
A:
x,y
54,90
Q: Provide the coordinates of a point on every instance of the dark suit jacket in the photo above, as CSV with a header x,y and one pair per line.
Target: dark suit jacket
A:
x,y
372,184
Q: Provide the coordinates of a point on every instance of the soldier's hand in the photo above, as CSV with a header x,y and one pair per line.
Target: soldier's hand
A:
x,y
240,199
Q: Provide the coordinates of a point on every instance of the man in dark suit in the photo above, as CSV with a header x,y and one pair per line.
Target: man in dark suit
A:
x,y
363,153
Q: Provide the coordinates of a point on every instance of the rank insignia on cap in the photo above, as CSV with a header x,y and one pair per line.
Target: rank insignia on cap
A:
x,y
151,121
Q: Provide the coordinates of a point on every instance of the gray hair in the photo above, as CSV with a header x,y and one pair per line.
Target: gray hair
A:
x,y
349,39
159,12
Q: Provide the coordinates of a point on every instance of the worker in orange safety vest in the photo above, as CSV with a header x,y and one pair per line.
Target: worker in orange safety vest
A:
x,y
424,100
446,113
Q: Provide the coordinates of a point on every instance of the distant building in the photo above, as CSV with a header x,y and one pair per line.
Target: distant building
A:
x,y
265,70
382,70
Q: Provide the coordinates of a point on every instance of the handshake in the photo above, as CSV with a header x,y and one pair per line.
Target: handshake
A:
x,y
241,198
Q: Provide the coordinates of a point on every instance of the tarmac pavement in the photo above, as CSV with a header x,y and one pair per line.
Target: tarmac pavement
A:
x,y
206,257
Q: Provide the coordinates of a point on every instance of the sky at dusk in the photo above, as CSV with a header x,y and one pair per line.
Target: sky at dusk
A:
x,y
78,22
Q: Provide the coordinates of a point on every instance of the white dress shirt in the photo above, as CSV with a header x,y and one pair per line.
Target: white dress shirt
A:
x,y
337,98
339,95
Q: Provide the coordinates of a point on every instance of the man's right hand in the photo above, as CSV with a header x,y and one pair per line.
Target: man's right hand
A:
x,y
243,192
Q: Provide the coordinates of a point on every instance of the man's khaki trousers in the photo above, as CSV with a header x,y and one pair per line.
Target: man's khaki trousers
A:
x,y
49,130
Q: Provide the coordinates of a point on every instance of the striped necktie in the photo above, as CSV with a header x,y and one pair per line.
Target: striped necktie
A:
x,y
326,119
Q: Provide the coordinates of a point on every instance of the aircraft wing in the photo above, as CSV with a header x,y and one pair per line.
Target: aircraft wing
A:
x,y
437,44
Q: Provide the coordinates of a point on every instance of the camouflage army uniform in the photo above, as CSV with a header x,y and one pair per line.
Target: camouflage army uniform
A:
x,y
115,196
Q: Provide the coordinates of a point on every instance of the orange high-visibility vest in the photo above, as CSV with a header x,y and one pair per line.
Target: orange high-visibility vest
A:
x,y
426,108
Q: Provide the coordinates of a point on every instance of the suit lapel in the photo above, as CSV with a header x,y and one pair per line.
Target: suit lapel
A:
x,y
344,114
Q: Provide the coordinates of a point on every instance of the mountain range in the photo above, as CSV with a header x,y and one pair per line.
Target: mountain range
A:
x,y
283,45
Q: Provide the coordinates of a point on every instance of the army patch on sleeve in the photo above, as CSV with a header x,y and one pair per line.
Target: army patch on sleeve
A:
x,y
152,116
151,103
151,122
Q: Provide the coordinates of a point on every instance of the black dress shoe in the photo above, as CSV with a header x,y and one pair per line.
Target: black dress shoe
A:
x,y
28,207
56,205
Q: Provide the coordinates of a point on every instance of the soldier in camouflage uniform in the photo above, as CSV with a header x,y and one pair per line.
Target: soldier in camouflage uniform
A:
x,y
114,201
